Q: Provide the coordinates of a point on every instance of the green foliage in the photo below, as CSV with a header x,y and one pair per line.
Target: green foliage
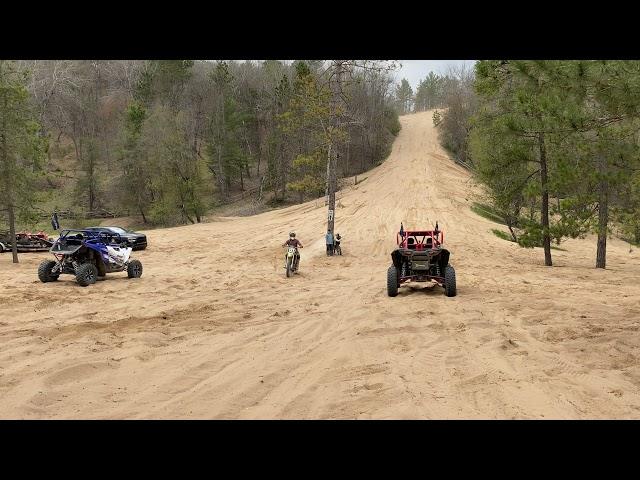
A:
x,y
22,148
430,93
392,122
525,243
437,118
627,212
166,139
487,211
502,235
404,96
454,122
584,117
310,173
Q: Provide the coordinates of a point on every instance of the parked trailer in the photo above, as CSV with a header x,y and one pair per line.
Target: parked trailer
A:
x,y
26,242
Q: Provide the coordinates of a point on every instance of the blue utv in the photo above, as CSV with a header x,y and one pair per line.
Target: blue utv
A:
x,y
88,255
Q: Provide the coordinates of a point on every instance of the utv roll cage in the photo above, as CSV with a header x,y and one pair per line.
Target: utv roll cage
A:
x,y
71,240
420,239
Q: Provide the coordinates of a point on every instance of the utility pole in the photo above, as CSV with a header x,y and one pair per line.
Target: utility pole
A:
x,y
332,161
339,68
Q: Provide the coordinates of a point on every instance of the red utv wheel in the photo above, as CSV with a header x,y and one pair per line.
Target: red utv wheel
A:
x,y
393,281
449,281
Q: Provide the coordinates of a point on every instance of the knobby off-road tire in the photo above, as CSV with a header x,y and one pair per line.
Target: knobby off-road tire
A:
x,y
87,274
44,272
449,281
134,269
289,266
392,281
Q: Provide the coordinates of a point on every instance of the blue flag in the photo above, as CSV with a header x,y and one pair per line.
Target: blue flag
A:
x,y
401,230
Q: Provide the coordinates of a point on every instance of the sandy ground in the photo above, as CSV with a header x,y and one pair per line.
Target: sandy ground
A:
x,y
215,330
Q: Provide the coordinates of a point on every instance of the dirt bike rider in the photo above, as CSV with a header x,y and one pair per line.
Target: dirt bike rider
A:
x,y
336,242
294,242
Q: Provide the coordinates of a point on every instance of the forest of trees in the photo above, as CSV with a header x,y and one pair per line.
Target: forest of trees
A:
x,y
452,91
555,143
168,140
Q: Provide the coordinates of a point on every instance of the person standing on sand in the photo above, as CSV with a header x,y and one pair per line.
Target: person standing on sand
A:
x,y
329,239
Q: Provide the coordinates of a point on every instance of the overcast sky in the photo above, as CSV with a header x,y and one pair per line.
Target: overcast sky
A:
x,y
416,70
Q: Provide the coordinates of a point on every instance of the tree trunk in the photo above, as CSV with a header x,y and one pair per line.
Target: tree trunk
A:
x,y
8,187
12,232
144,218
544,183
603,214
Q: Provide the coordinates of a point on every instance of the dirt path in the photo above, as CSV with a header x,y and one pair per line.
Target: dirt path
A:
x,y
218,331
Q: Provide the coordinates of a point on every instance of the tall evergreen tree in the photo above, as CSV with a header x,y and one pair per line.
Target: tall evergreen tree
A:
x,y
21,149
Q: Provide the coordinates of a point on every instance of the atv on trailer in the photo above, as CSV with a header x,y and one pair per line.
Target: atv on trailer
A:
x,y
88,255
420,257
26,241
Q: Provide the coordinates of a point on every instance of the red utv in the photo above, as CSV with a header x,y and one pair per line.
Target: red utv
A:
x,y
420,257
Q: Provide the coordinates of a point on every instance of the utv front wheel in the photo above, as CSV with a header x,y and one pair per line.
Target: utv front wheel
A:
x,y
392,281
87,274
44,272
449,281
134,269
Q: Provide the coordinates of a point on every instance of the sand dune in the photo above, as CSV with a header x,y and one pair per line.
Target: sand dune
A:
x,y
215,330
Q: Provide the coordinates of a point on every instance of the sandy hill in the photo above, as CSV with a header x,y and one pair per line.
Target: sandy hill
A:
x,y
213,329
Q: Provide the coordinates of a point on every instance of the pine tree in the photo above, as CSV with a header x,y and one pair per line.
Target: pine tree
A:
x,y
22,149
524,112
404,96
429,93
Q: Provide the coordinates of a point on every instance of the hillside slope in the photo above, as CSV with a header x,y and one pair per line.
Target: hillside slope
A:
x,y
213,329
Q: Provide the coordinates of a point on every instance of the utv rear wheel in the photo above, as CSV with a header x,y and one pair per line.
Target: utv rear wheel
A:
x,y
44,272
134,269
87,274
449,281
393,281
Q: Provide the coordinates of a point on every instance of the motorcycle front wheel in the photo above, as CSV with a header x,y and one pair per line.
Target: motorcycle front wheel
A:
x,y
289,261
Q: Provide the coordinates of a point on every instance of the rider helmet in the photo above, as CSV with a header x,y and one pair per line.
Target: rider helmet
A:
x,y
292,234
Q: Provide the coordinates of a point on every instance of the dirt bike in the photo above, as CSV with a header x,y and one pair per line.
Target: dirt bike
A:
x,y
337,249
291,261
